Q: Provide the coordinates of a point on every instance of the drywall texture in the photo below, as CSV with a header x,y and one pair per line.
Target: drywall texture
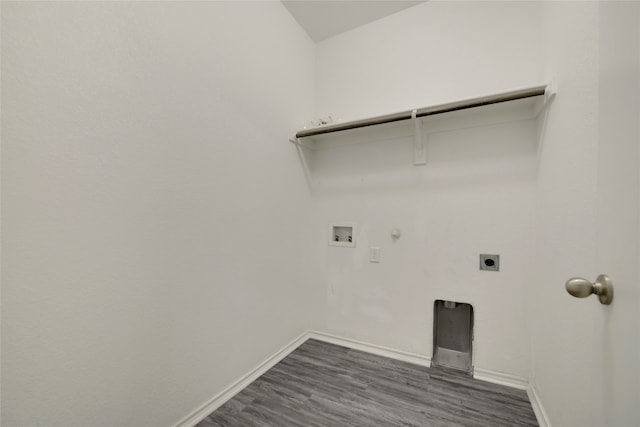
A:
x,y
154,220
475,195
428,54
616,364
581,348
562,337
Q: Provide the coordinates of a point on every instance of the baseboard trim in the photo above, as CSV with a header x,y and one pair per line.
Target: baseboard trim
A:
x,y
404,356
538,409
417,359
501,378
218,400
519,383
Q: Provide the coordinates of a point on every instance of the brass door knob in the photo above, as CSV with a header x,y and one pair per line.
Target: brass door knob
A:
x,y
582,288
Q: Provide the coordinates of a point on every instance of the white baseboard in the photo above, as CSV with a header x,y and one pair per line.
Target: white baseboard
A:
x,y
519,383
538,409
501,378
417,359
404,356
218,400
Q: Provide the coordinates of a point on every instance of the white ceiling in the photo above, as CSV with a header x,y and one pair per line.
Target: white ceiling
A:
x,y
324,19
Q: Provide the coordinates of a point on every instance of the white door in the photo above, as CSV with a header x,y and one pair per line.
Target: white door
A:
x,y
616,370
585,355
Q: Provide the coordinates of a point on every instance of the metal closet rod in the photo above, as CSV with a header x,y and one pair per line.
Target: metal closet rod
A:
x,y
428,111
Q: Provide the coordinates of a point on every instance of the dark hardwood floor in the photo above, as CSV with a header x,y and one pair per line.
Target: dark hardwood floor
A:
x,y
321,384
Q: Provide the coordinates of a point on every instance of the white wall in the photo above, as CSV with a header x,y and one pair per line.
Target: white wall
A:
x,y
429,54
616,370
566,217
476,193
156,241
577,171
585,358
154,217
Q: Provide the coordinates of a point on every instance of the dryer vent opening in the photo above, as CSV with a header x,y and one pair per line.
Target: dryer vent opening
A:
x,y
452,335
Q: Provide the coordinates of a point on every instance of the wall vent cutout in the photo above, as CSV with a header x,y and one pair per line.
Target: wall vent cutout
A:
x,y
453,335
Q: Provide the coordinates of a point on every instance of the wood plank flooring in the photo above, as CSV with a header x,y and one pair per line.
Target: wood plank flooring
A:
x,y
324,385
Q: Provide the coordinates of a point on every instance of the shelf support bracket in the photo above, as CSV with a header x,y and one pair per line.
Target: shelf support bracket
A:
x,y
296,141
419,151
549,94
